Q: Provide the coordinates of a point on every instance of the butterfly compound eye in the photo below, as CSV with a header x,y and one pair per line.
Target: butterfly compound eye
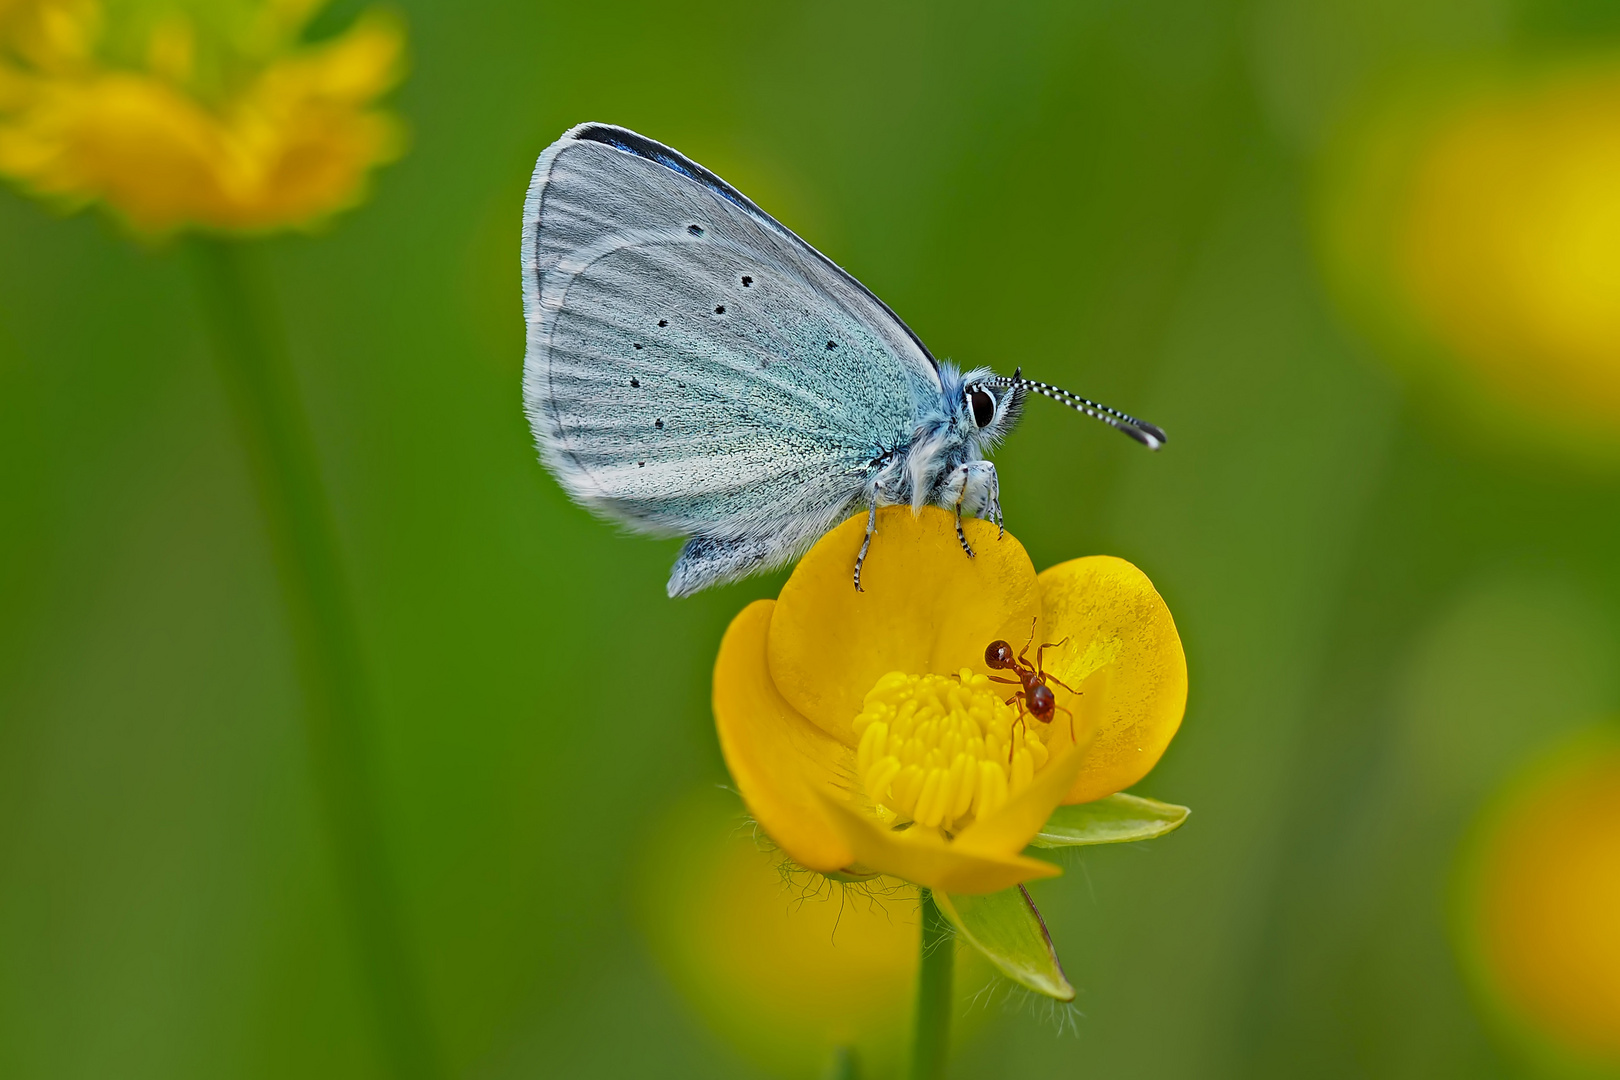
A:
x,y
984,406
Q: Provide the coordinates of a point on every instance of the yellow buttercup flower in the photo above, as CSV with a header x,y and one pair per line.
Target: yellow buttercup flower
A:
x,y
209,115
1476,230
1509,246
867,736
1542,900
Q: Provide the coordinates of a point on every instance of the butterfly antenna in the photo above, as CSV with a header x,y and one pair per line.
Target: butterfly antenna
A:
x,y
1149,435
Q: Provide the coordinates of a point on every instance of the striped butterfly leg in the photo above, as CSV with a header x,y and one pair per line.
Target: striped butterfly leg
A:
x,y
866,544
985,485
977,493
961,537
957,491
880,492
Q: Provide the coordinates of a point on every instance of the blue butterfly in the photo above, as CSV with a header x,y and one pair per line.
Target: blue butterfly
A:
x,y
695,369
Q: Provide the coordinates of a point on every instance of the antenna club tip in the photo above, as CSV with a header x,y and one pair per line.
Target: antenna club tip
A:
x,y
1149,435
1147,438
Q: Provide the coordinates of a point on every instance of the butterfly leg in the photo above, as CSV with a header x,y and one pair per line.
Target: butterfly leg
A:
x,y
992,496
978,493
961,537
961,487
866,545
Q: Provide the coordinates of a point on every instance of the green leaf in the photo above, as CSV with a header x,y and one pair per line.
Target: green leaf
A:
x,y
1117,819
1006,927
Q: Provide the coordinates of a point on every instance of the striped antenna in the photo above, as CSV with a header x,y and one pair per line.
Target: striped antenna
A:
x,y
1143,432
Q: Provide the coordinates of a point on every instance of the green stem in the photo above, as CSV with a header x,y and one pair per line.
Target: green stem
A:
x,y
930,1046
844,1065
337,709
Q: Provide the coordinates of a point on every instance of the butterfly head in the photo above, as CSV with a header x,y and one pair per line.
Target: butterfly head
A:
x,y
986,408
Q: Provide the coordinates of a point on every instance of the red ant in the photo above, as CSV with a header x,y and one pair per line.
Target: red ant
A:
x,y
1034,696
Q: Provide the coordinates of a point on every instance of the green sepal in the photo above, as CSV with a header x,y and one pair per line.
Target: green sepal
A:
x,y
1117,819
1010,932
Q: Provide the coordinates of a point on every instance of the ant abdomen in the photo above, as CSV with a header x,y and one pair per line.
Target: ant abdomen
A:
x,y
999,655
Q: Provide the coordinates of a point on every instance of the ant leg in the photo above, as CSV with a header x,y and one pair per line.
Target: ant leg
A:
x,y
1040,666
1049,677
1009,682
1071,722
1023,657
866,545
1011,746
1042,650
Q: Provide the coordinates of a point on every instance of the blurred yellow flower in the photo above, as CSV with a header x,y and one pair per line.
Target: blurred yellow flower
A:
x,y
1510,246
1483,227
214,115
784,969
865,736
1542,899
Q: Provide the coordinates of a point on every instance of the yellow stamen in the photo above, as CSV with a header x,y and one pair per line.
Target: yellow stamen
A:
x,y
940,751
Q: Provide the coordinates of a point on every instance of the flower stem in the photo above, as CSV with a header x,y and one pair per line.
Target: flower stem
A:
x,y
844,1065
336,708
930,1046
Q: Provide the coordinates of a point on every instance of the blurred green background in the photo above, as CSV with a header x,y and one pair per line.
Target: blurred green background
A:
x,y
1386,610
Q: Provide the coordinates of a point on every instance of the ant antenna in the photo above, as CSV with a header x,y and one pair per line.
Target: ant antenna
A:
x,y
1147,434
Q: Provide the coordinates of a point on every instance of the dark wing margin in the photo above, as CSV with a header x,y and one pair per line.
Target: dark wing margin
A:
x,y
647,149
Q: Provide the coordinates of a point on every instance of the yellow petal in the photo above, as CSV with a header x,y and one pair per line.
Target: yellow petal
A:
x,y
778,759
134,141
926,607
1114,619
1015,824
923,857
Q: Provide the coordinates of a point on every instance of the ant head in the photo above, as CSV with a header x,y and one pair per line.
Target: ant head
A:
x,y
998,654
1041,703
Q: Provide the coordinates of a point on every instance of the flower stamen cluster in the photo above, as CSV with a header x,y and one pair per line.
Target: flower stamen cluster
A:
x,y
940,751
